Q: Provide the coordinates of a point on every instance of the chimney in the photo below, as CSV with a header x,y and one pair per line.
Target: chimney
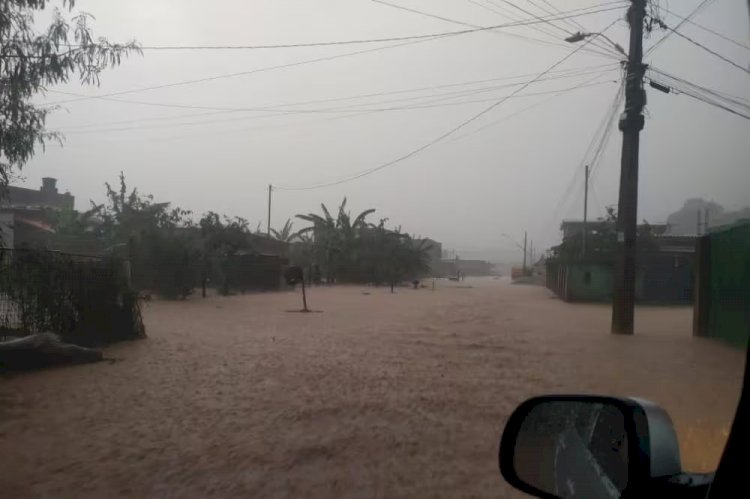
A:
x,y
49,185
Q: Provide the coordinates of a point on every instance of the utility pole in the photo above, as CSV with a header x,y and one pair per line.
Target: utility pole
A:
x,y
525,235
631,124
268,229
531,253
585,210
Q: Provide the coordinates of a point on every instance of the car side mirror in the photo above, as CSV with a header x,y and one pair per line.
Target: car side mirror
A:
x,y
571,446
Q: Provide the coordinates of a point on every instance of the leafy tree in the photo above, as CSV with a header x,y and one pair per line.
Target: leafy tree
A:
x,y
153,235
349,249
223,236
31,60
69,222
335,240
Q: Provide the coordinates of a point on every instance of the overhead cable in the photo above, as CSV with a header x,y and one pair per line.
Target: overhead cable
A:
x,y
703,98
450,132
709,30
704,3
284,108
596,43
461,23
710,51
584,84
428,105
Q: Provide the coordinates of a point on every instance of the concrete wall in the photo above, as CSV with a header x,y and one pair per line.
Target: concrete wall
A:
x,y
589,282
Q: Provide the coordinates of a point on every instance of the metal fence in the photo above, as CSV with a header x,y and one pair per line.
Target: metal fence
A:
x,y
86,300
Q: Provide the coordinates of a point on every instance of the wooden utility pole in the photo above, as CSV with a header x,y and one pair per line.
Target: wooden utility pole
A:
x,y
631,124
525,235
268,228
531,253
585,210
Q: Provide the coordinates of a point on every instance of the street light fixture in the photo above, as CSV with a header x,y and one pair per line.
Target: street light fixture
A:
x,y
579,37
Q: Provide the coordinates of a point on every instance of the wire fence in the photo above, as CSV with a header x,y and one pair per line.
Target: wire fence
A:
x,y
86,300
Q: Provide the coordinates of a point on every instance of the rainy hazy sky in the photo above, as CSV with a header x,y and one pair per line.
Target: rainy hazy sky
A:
x,y
505,178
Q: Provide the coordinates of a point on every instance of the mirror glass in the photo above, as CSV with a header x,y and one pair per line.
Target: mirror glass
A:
x,y
573,449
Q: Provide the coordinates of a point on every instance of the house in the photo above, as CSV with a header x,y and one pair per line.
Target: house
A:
x,y
25,214
475,268
665,264
575,228
47,196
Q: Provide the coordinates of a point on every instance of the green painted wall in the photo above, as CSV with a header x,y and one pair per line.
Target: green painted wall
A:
x,y
729,285
589,282
594,282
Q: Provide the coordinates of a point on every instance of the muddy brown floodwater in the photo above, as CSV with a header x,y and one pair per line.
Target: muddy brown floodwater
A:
x,y
380,395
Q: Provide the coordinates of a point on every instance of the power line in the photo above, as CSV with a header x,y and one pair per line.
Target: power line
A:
x,y
692,14
710,102
599,137
733,99
709,30
584,84
278,108
710,51
577,25
524,22
357,112
244,73
298,63
445,135
560,16
507,16
569,22
511,4
702,98
596,43
349,116
461,23
607,134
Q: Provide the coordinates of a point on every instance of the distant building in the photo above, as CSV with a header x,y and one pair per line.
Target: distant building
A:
x,y
46,196
573,228
664,265
475,268
25,213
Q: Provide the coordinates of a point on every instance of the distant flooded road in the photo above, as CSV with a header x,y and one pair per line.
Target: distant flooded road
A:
x,y
380,395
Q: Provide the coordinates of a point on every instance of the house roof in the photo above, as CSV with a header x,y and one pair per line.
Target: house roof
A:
x,y
37,224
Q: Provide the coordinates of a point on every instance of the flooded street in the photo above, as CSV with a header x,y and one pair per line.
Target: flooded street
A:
x,y
379,395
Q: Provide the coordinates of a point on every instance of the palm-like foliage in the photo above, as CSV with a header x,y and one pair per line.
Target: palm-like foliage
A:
x,y
349,249
285,234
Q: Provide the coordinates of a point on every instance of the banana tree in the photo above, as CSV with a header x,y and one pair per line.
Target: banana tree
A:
x,y
285,234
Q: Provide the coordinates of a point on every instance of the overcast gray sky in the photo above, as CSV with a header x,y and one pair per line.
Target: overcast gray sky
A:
x,y
466,192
